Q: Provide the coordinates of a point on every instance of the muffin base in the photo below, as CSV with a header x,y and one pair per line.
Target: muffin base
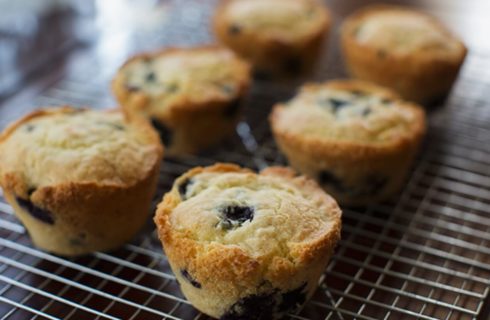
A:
x,y
266,302
82,218
195,130
351,180
422,81
280,60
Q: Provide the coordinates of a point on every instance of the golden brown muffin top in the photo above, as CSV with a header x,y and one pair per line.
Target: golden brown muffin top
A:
x,y
287,20
274,214
348,111
182,77
66,145
402,30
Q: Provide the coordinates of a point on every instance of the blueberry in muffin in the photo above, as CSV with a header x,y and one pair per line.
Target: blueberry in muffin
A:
x,y
356,139
79,180
244,245
403,49
281,38
192,95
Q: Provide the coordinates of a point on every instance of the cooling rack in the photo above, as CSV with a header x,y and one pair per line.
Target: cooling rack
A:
x,y
423,255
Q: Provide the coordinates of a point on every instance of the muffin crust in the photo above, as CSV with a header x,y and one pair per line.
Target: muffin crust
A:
x,y
406,50
71,173
357,139
192,95
242,236
281,38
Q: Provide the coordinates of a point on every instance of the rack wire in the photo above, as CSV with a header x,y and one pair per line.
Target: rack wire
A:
x,y
423,255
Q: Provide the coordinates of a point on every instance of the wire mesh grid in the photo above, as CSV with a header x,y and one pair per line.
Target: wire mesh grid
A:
x,y
424,255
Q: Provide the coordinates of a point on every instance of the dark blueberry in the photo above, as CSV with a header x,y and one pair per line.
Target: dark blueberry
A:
x,y
151,77
30,127
113,125
75,242
232,109
386,101
293,299
366,112
183,187
165,133
328,178
358,93
132,88
117,126
293,65
189,278
38,213
264,306
227,89
333,103
381,54
79,240
234,216
234,30
253,307
30,191
337,104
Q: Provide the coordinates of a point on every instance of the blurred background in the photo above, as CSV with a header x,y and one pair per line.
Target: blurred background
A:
x,y
45,38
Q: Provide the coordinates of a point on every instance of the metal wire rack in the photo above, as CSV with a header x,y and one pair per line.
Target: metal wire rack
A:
x,y
424,255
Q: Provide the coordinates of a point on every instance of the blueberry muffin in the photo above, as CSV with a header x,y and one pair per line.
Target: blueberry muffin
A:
x,y
281,38
244,245
80,180
357,139
406,50
192,95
